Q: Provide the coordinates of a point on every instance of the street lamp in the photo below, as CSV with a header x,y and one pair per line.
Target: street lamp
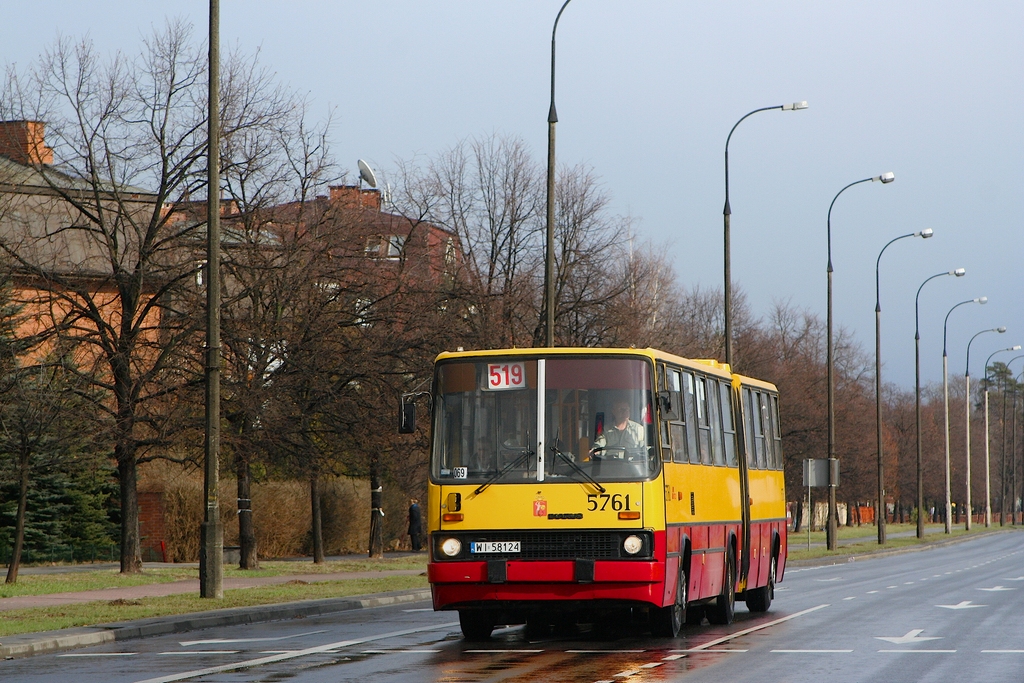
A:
x,y
885,179
959,272
549,254
880,512
1013,451
988,492
967,386
727,213
945,398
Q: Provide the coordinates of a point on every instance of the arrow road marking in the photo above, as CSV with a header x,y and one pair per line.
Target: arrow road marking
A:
x,y
997,588
966,604
911,637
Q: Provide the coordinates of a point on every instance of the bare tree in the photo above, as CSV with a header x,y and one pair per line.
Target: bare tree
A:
x,y
105,255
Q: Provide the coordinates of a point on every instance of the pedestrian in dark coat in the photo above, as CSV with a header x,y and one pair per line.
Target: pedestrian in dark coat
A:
x,y
415,525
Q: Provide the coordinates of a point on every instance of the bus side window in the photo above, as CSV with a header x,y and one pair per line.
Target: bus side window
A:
x,y
690,412
759,419
777,432
750,417
728,428
703,424
715,419
666,436
675,385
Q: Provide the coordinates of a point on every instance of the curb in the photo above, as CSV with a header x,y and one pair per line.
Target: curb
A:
x,y
52,641
859,557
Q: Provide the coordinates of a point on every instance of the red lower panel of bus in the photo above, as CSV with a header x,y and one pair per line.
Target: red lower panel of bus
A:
x,y
466,582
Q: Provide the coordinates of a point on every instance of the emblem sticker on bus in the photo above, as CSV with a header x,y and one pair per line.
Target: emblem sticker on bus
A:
x,y
501,376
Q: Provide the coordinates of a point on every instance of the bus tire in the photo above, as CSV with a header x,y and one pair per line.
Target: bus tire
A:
x,y
760,599
667,621
724,606
476,625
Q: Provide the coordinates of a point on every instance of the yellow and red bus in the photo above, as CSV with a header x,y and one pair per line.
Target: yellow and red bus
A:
x,y
581,484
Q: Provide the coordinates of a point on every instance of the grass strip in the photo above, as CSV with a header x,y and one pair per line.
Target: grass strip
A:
x,y
103,612
72,582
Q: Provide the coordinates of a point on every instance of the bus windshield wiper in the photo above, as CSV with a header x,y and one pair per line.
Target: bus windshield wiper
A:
x,y
508,468
572,464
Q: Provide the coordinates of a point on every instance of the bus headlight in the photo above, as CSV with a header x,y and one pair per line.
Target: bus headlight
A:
x,y
633,544
451,547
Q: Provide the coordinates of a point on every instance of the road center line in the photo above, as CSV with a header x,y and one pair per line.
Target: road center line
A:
x,y
320,649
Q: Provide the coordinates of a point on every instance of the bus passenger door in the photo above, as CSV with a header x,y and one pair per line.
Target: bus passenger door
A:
x,y
742,421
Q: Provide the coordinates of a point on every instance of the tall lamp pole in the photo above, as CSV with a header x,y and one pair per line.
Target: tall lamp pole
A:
x,y
211,556
549,254
1013,448
945,398
880,512
727,213
833,512
967,388
959,272
988,481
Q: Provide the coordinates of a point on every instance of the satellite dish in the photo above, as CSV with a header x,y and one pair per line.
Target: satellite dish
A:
x,y
366,173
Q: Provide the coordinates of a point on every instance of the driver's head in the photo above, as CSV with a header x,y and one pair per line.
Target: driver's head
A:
x,y
620,410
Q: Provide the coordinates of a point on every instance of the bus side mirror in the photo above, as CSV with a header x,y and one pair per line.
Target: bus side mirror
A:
x,y
406,418
669,408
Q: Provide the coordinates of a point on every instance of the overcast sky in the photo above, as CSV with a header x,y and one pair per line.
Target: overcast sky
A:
x,y
646,94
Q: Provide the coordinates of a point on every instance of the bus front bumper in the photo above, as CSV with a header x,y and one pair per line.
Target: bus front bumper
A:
x,y
457,584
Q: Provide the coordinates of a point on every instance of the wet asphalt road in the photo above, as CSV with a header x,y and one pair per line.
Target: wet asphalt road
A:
x,y
949,613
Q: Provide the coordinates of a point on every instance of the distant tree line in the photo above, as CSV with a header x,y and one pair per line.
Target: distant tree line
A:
x,y
333,309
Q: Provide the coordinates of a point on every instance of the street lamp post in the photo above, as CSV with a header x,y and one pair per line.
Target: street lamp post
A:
x,y
967,402
880,512
549,254
1013,449
988,487
959,272
727,214
885,178
945,399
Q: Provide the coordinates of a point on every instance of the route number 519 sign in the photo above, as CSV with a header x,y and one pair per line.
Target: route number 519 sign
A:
x,y
502,376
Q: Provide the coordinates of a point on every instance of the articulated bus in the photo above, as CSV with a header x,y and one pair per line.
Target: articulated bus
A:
x,y
592,485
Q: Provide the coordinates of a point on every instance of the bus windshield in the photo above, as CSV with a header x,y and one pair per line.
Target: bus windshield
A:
x,y
597,420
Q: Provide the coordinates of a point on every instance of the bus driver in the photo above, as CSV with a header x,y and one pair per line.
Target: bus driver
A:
x,y
623,437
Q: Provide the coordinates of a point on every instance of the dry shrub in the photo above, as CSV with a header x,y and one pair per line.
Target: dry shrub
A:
x,y
281,514
345,511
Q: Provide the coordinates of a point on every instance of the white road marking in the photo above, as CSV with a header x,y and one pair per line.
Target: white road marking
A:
x,y
966,604
99,654
928,651
494,652
395,652
650,665
320,649
224,641
724,639
872,592
809,651
891,586
834,578
599,652
908,583
910,637
627,674
997,588
852,597
698,651
193,653
1019,578
420,609
1004,652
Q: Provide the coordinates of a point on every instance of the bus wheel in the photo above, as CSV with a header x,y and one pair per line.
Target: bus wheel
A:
x,y
476,625
725,604
760,599
666,621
